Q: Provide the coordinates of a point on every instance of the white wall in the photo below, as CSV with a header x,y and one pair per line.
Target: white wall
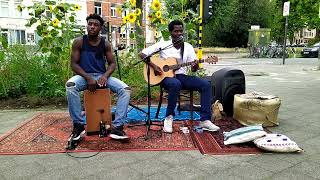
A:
x,y
12,22
149,33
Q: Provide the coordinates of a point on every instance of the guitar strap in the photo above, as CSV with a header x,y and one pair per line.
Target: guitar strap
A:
x,y
181,52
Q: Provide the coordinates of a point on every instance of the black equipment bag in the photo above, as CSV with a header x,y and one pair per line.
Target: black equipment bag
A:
x,y
226,83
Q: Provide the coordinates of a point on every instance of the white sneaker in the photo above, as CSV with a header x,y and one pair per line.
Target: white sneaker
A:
x,y
208,125
167,124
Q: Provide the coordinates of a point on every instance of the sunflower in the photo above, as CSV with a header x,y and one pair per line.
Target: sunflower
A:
x,y
137,11
77,7
133,3
124,20
19,8
132,17
55,22
119,10
158,14
162,21
156,5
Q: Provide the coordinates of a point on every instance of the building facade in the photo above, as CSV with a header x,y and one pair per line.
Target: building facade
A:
x,y
116,34
12,22
304,36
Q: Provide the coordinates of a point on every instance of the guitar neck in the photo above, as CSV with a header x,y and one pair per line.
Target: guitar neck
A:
x,y
177,66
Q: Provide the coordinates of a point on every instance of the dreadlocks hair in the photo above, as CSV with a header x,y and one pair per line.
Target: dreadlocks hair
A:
x,y
97,17
173,23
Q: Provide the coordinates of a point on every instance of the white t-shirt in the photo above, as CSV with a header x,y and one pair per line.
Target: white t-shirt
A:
x,y
188,54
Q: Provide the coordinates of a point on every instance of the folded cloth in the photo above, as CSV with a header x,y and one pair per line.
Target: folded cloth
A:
x,y
244,134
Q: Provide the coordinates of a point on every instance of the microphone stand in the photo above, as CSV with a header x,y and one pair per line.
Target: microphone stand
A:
x,y
147,60
119,72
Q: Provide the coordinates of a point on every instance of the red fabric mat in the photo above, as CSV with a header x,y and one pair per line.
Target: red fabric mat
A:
x,y
48,133
212,142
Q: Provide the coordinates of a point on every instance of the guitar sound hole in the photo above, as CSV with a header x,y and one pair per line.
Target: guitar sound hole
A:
x,y
166,68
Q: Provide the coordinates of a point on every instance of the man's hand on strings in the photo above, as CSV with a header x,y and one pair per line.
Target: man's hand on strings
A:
x,y
157,70
194,66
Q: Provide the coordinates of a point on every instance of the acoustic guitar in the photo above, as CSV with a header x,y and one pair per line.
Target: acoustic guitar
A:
x,y
168,66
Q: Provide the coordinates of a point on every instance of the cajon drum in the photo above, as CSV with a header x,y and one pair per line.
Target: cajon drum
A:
x,y
98,107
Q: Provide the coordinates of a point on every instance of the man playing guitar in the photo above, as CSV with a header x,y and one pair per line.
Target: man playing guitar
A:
x,y
183,52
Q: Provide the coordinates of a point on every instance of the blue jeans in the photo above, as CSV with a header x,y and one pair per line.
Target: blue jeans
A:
x,y
115,85
181,81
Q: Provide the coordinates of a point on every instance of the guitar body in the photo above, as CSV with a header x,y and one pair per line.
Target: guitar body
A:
x,y
168,66
162,63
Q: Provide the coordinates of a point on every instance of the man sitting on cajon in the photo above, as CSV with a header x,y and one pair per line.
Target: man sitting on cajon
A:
x,y
88,60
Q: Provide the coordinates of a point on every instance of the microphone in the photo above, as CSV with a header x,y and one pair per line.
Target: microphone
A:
x,y
179,40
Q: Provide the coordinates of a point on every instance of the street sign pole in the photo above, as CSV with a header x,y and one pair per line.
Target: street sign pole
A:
x,y
286,9
285,41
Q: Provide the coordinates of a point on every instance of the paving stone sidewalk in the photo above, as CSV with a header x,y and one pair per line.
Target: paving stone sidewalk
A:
x,y
296,83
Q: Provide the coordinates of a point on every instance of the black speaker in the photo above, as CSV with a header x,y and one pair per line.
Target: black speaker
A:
x,y
226,83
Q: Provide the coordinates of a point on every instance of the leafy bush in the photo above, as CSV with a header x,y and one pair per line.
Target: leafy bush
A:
x,y
132,74
25,71
41,70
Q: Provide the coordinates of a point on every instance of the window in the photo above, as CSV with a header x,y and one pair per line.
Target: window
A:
x,y
4,8
16,12
30,38
4,34
113,10
124,14
97,8
17,36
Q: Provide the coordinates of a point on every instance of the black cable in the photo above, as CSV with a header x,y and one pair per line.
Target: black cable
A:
x,y
69,154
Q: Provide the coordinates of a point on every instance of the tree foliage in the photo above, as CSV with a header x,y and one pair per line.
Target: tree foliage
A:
x,y
303,14
56,24
231,20
40,70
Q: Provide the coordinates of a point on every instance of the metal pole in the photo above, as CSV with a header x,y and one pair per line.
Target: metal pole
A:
x,y
318,58
285,41
200,32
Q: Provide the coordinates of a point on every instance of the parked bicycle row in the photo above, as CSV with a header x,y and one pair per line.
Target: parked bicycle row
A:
x,y
270,51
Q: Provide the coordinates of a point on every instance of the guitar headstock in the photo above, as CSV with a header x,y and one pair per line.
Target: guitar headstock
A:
x,y
212,59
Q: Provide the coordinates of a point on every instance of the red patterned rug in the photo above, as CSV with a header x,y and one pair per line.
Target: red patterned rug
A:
x,y
48,133
212,142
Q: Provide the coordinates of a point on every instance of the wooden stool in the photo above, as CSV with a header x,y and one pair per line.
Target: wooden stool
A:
x,y
98,107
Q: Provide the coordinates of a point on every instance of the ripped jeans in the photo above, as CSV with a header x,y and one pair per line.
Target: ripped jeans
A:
x,y
77,83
